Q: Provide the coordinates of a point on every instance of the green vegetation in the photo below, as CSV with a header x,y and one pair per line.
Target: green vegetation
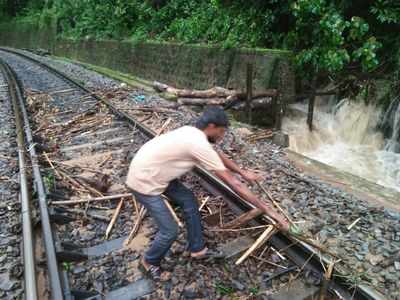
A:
x,y
328,37
223,290
130,79
49,182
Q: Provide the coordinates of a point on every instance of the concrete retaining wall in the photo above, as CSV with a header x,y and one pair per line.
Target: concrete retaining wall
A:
x,y
190,66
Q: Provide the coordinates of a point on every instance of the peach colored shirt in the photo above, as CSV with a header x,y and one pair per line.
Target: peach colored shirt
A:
x,y
168,156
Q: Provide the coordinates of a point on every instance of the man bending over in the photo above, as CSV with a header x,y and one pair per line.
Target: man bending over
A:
x,y
157,165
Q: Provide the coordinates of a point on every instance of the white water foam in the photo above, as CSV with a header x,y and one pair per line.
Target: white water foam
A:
x,y
345,136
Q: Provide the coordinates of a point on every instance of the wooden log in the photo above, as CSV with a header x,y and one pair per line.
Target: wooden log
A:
x,y
214,92
71,202
244,218
269,93
201,101
114,218
260,240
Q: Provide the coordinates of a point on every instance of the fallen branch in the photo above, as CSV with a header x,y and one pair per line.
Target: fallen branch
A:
x,y
260,240
71,202
114,218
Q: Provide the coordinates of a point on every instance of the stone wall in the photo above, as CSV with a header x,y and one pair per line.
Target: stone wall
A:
x,y
190,66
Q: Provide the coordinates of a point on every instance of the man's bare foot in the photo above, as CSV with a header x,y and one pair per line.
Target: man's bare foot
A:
x,y
199,253
145,264
207,255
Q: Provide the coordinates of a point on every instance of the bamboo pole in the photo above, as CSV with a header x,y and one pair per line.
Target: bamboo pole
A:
x,y
260,240
204,203
96,199
114,218
172,211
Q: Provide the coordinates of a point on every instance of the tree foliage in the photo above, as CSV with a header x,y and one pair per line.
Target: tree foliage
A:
x,y
326,36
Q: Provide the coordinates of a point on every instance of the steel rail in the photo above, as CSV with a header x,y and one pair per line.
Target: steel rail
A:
x,y
299,252
27,232
52,264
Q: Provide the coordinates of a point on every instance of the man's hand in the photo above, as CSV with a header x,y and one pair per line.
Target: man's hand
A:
x,y
251,176
244,192
282,223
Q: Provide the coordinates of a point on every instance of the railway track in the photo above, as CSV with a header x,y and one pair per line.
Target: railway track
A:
x,y
83,137
11,193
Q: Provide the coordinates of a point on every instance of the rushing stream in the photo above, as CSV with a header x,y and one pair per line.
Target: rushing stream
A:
x,y
345,136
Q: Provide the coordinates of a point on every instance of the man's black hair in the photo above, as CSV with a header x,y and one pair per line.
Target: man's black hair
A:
x,y
212,115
